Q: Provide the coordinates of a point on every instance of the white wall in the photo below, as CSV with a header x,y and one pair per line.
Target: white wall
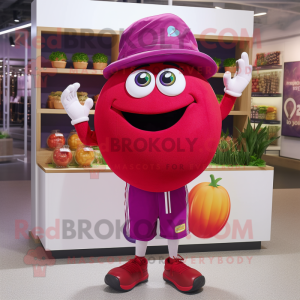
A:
x,y
286,40
118,16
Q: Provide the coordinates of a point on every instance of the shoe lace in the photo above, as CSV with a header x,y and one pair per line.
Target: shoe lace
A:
x,y
178,265
133,266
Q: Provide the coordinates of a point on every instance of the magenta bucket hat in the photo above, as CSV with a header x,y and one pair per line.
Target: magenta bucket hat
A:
x,y
157,39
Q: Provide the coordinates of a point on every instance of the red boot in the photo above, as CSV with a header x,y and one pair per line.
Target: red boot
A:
x,y
184,278
127,276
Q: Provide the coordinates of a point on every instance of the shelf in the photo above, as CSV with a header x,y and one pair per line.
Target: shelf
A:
x,y
95,72
224,38
92,112
238,113
105,169
273,148
266,95
57,111
47,168
43,156
72,71
220,75
267,68
268,122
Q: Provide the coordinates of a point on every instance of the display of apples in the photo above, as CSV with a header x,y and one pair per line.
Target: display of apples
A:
x,y
73,141
84,156
62,156
55,139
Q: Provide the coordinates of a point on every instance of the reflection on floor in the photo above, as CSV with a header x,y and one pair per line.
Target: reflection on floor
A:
x,y
16,169
285,178
269,273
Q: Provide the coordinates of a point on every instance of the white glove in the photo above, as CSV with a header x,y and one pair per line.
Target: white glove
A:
x,y
235,86
77,112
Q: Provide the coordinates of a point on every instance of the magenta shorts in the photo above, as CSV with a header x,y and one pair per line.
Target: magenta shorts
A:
x,y
143,209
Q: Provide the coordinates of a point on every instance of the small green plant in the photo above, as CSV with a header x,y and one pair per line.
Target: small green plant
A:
x,y
246,150
217,61
4,135
255,141
58,56
219,97
99,58
80,57
229,62
225,134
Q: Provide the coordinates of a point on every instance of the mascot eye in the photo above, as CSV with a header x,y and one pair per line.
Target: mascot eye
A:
x,y
167,78
140,83
170,82
143,79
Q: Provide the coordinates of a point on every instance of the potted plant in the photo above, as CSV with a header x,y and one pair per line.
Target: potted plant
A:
x,y
99,61
229,65
218,62
58,59
247,149
80,60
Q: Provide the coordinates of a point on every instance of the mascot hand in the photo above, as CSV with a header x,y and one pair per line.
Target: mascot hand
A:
x,y
235,86
77,112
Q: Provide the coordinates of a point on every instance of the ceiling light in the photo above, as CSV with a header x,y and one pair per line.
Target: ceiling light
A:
x,y
20,69
218,7
15,28
16,16
15,75
12,42
260,14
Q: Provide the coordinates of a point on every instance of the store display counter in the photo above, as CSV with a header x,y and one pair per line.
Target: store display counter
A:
x,y
80,211
48,168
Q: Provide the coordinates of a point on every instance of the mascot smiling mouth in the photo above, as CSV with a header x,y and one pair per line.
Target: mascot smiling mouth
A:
x,y
155,122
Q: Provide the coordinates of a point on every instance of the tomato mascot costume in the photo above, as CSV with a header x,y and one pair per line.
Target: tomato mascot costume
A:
x,y
157,124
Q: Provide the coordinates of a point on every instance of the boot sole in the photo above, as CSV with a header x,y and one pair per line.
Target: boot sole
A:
x,y
198,283
114,283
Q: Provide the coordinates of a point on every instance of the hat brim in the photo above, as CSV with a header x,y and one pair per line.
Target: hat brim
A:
x,y
202,62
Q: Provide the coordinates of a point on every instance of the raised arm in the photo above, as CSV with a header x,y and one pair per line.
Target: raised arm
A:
x,y
79,114
236,85
86,135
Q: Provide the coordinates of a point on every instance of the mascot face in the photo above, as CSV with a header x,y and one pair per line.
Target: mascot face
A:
x,y
158,125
